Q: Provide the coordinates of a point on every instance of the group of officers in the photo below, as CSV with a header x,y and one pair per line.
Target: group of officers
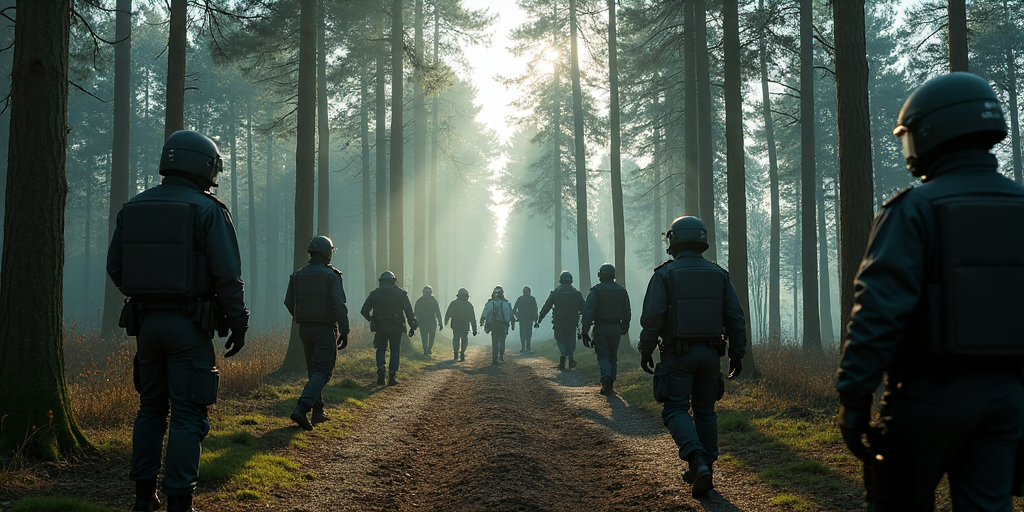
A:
x,y
928,319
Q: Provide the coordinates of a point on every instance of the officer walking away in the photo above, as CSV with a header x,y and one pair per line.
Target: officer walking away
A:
x,y
937,295
316,301
525,314
175,256
461,316
568,305
690,301
607,309
428,313
384,309
496,319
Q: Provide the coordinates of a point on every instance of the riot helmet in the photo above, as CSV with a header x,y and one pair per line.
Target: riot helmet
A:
x,y
463,293
526,290
322,246
427,291
388,277
565,277
687,232
191,153
606,272
945,108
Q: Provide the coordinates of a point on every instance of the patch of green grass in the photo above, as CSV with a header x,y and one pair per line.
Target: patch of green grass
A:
x,y
792,502
248,495
255,419
57,504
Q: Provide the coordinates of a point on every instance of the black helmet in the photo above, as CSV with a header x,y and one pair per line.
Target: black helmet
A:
x,y
565,278
321,245
606,271
498,291
526,290
944,108
427,291
687,230
463,293
387,276
191,152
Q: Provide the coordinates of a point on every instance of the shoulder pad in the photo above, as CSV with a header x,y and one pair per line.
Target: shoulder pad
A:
x,y
336,271
666,262
215,199
720,268
892,200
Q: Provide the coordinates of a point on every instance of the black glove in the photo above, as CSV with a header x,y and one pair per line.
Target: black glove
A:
x,y
536,324
735,367
342,341
854,419
440,328
474,332
586,340
512,325
235,342
647,363
412,332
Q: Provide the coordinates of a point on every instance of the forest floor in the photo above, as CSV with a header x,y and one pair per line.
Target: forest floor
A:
x,y
470,436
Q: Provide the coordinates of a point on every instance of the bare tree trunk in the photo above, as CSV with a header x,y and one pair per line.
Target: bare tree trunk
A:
x,y
250,282
432,216
233,136
380,149
273,233
364,131
557,151
120,181
957,11
419,172
691,177
582,231
854,128
87,249
396,255
827,329
323,117
618,219
1011,89
705,147
175,110
656,191
33,386
809,258
774,276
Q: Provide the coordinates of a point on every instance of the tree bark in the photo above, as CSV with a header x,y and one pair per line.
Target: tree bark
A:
x,y
957,11
774,275
1011,90
582,231
854,129
250,284
380,150
120,182
618,219
323,117
174,117
364,131
233,138
272,238
33,385
87,245
808,239
556,141
691,177
434,157
827,329
656,243
396,254
419,172
705,148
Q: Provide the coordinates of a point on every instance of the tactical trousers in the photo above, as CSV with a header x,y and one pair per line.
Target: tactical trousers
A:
x,y
966,425
174,370
460,337
498,335
427,334
381,341
606,345
525,334
565,338
319,343
690,380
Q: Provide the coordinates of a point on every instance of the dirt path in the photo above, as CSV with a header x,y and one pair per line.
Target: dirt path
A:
x,y
519,436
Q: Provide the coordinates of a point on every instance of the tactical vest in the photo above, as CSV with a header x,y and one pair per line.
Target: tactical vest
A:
x,y
974,280
160,259
497,316
566,304
312,297
611,302
696,296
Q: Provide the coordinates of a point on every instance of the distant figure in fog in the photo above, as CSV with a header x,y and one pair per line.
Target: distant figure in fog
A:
x,y
608,311
525,314
496,319
387,308
316,301
568,305
428,313
461,316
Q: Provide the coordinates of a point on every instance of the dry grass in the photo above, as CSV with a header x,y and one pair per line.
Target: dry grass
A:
x,y
789,376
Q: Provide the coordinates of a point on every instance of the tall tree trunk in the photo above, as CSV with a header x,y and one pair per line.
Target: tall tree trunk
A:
x,y
691,140
120,181
432,216
233,137
272,236
582,231
774,276
364,134
705,148
656,191
618,219
87,249
380,150
735,164
323,117
174,119
957,11
396,255
419,172
1011,90
854,128
305,165
808,240
33,386
556,151
250,284
827,329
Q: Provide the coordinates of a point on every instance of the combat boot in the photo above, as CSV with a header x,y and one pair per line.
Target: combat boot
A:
x,y
391,380
462,356
688,475
700,472
561,362
572,363
319,416
455,357
380,377
606,386
180,504
299,417
146,499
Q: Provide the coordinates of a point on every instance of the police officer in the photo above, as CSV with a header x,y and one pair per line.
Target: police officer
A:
x,y
496,319
568,304
175,255
607,309
937,296
461,315
384,309
428,312
316,301
689,303
525,314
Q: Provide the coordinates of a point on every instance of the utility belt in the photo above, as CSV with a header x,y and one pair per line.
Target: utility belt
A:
x,y
682,346
204,312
